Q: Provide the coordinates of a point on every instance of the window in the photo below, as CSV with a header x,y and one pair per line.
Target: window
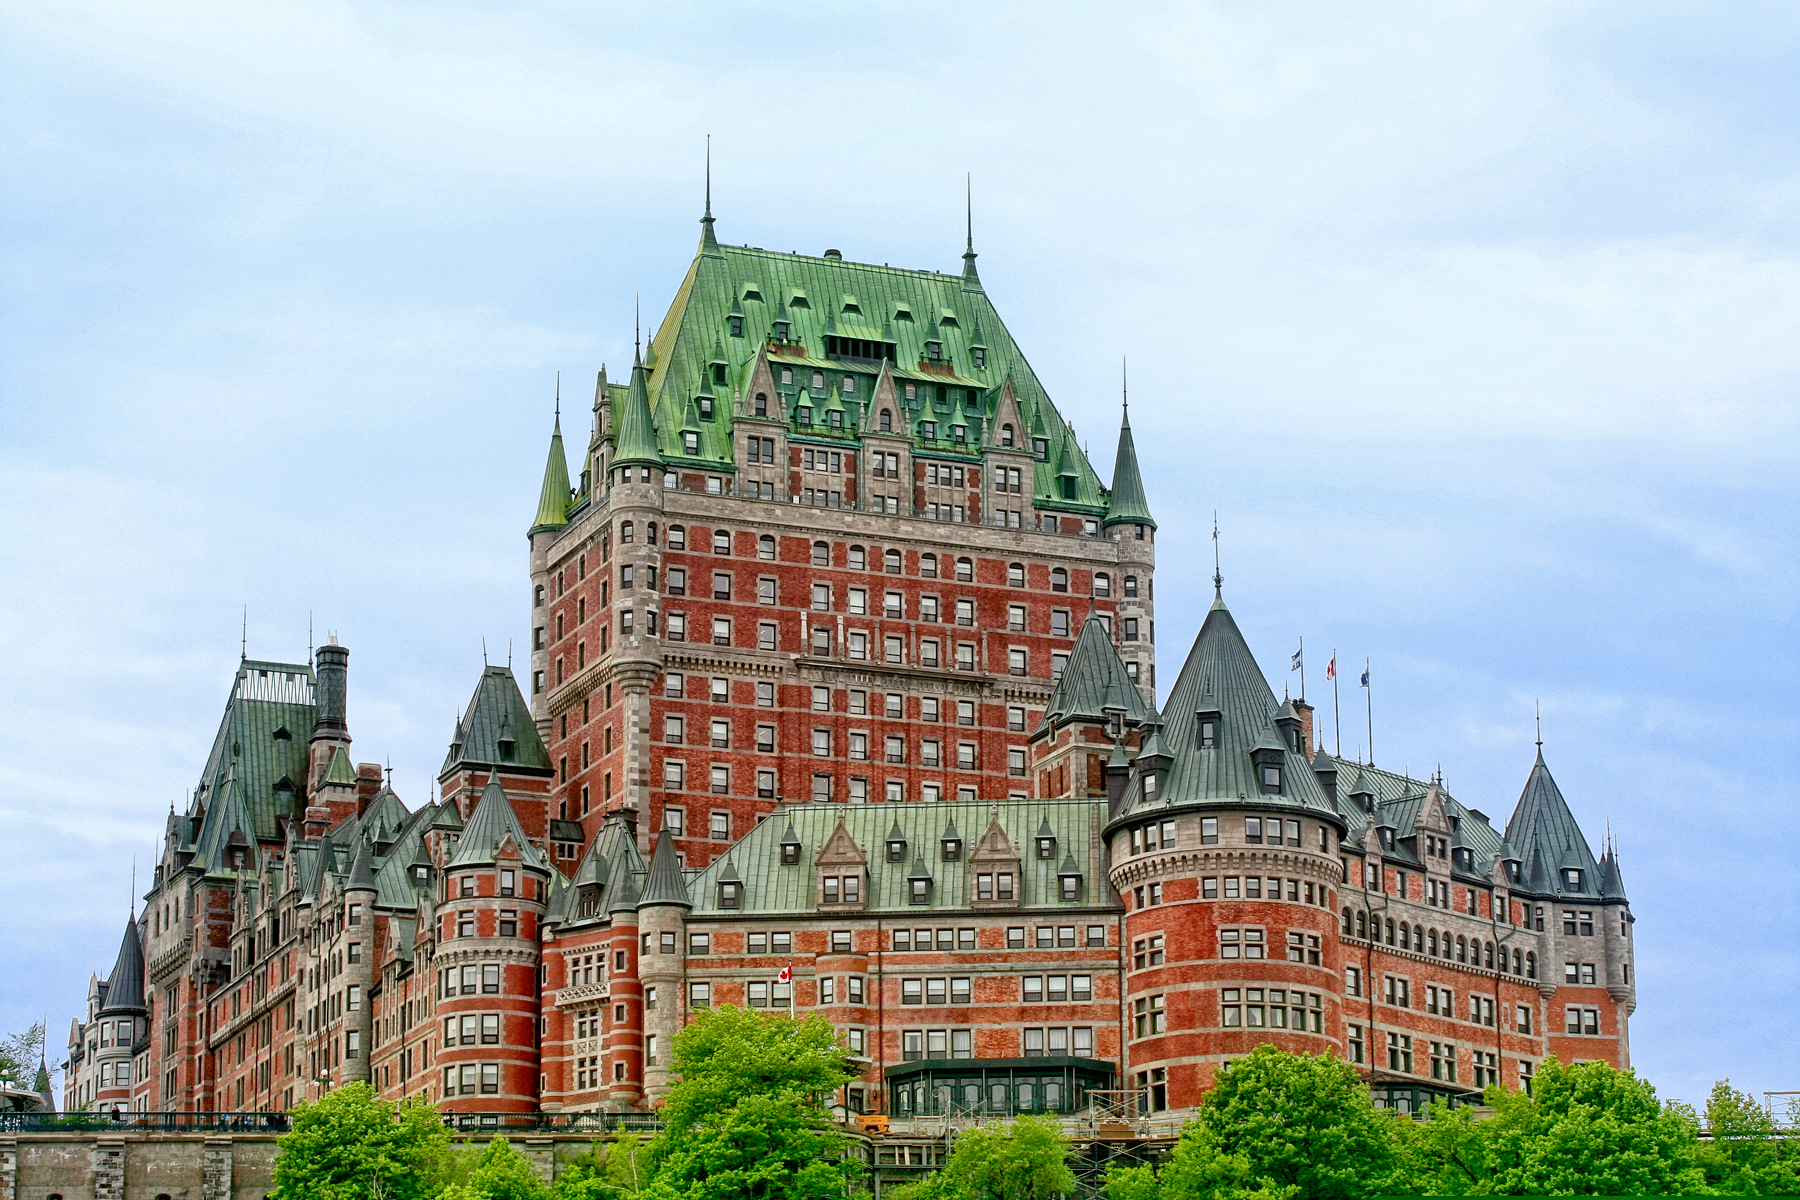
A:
x,y
1148,1015
1017,662
1240,943
965,570
1399,992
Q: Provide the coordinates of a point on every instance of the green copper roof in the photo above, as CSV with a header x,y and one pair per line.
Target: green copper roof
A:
x,y
497,729
1127,503
1095,680
634,430
553,499
489,825
771,887
1542,825
665,885
933,321
1221,676
339,770
262,744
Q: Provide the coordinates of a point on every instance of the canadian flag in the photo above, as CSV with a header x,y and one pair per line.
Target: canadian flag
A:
x,y
786,976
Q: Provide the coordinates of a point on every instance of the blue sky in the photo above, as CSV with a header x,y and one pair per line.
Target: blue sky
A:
x,y
1474,322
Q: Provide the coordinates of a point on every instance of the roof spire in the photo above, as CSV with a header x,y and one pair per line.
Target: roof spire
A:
x,y
969,273
244,636
1218,579
1537,711
1125,503
709,244
553,497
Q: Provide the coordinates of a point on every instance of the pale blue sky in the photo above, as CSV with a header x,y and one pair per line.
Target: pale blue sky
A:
x,y
1475,322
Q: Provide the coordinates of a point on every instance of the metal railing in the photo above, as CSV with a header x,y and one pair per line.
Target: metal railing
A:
x,y
125,1119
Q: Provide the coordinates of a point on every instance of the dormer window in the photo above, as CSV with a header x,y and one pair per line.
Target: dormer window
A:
x,y
835,418
919,891
887,420
978,355
737,326
1040,448
282,735
761,407
1006,435
729,895
718,373
1046,847
1207,726
781,335
706,407
1070,882
896,850
934,351
507,749
690,443
928,430
959,433
952,849
1572,879
1150,786
803,415
818,381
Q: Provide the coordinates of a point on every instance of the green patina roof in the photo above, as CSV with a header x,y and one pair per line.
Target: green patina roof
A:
x,y
905,308
1127,502
262,744
1544,832
497,713
553,499
491,823
634,428
665,885
770,887
1221,675
1093,680
339,770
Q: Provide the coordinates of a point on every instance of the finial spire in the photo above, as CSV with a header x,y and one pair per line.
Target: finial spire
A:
x,y
637,325
1218,578
244,636
1125,387
134,887
559,399
1537,712
709,244
969,227
708,217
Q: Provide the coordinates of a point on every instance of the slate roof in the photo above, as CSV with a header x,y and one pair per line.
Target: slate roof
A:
x,y
1127,502
770,887
1221,675
1548,838
267,699
1093,680
497,712
665,885
820,297
125,984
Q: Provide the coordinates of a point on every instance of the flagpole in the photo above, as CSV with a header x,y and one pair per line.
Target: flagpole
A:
x,y
1370,698
1336,728
1303,670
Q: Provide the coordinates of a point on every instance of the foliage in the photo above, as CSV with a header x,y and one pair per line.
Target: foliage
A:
x,y
1747,1156
1586,1130
500,1173
1197,1170
352,1145
1299,1121
20,1054
1026,1160
747,1117
605,1171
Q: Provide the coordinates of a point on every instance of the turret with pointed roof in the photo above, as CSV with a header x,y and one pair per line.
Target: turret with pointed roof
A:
x,y
553,497
1126,503
664,885
490,827
125,983
634,438
1094,683
1547,835
497,729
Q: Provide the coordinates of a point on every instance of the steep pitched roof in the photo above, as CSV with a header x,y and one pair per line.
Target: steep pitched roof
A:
x,y
1221,675
125,985
1127,504
820,297
262,743
1094,680
665,885
1542,826
497,730
492,822
553,498
634,430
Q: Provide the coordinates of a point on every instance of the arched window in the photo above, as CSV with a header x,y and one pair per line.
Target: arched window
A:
x,y
1390,931
678,537
1487,955
1102,584
1431,942
1006,435
965,570
1445,952
761,406
765,548
891,561
887,421
1059,580
1349,925
627,532
721,541
859,559
928,566
1462,948
821,554
539,597
650,532
1419,938
1015,574
818,379
1405,940
1131,585
1531,964
1362,925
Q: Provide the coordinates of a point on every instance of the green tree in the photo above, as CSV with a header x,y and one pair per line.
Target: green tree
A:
x,y
747,1116
1747,1156
1026,1160
352,1145
501,1173
1300,1121
1197,1170
20,1054
604,1172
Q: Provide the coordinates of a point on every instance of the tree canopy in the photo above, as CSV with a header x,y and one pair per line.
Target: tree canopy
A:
x,y
1026,1160
352,1145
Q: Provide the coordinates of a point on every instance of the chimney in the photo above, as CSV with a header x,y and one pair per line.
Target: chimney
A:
x,y
1305,712
333,674
368,785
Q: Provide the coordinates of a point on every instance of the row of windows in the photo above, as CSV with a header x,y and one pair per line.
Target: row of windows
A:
x,y
472,1029
1271,1008
824,791
1251,887
855,701
472,979
931,750
1367,926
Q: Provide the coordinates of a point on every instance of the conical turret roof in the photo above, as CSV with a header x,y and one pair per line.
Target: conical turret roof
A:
x,y
362,870
664,886
553,498
634,439
125,985
1545,831
497,729
1126,504
492,822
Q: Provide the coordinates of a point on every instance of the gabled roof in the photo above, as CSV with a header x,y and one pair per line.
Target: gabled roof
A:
x,y
1542,827
1093,680
125,985
497,730
1221,675
490,825
262,743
